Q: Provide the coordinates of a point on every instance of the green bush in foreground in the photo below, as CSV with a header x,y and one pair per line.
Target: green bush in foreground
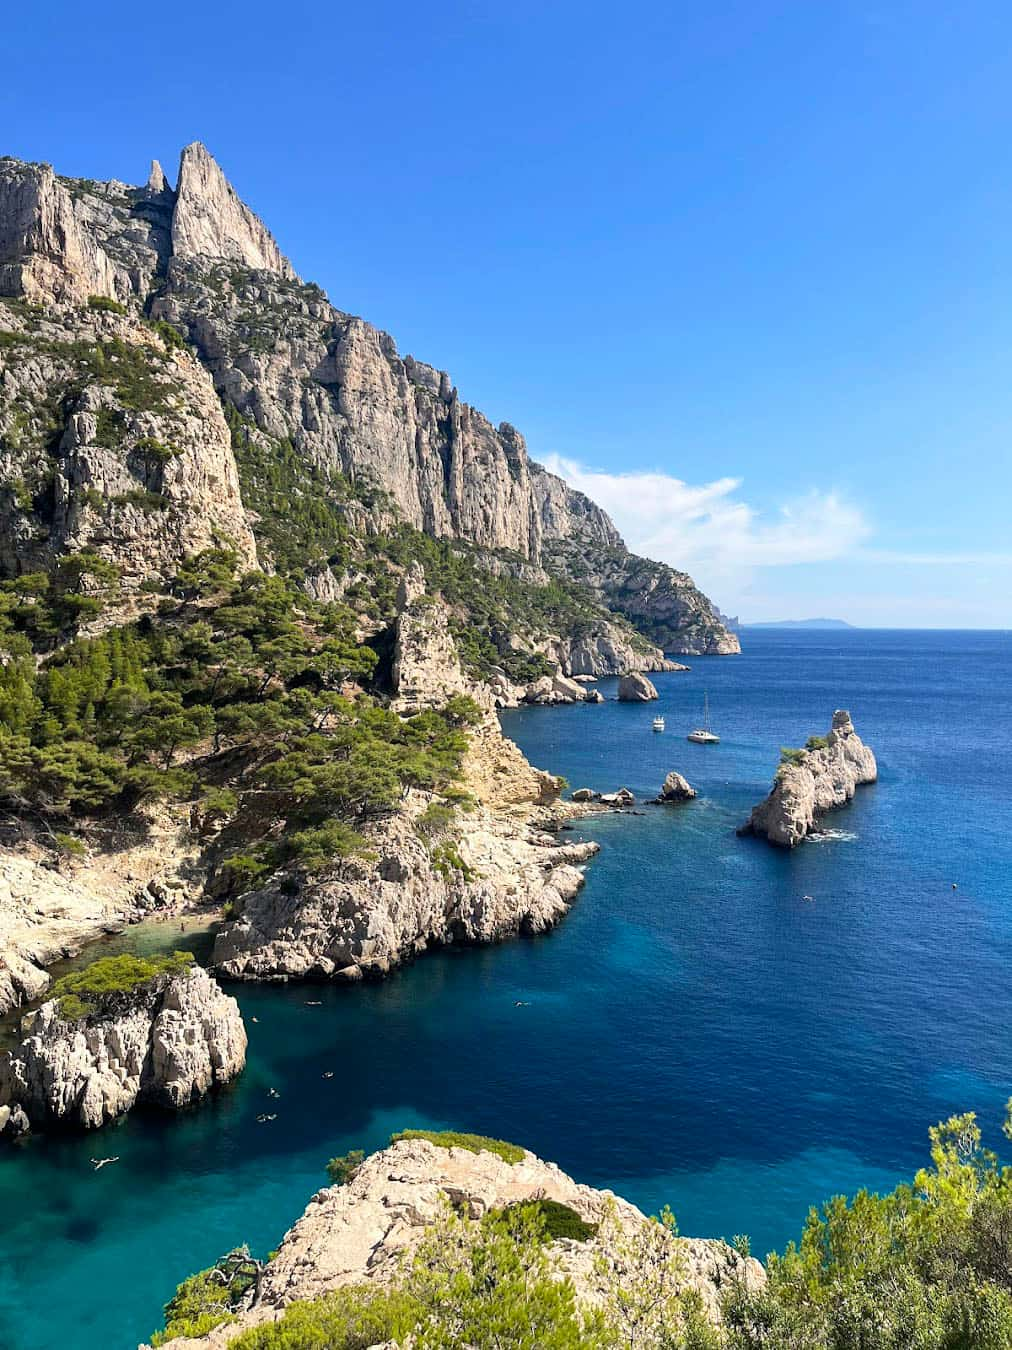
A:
x,y
209,1298
475,1143
926,1267
347,1319
78,991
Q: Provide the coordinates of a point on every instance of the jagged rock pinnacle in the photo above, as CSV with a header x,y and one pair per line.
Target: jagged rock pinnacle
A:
x,y
156,178
210,220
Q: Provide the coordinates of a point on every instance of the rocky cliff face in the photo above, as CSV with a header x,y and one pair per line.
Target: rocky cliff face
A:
x,y
166,1043
361,1232
662,603
301,372
822,780
110,441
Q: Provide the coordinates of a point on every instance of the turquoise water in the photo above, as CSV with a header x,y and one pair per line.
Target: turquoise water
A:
x,y
697,1032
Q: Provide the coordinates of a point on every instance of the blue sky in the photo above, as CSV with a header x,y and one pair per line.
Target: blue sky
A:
x,y
740,269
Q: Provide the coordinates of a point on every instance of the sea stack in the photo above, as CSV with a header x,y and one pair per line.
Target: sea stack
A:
x,y
820,777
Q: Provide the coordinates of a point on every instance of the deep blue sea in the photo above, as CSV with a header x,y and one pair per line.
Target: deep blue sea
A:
x,y
697,1032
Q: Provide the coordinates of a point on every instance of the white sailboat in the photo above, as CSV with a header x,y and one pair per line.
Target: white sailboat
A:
x,y
703,735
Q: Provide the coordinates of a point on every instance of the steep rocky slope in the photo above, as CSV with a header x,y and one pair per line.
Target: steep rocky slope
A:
x,y
820,778
427,878
296,370
110,441
167,1043
361,1232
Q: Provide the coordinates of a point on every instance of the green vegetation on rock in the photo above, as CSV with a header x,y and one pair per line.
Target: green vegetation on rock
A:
x,y
240,685
559,1220
82,991
104,304
210,1298
474,1143
340,1170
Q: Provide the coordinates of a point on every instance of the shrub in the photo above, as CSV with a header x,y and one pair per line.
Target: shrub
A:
x,y
474,1143
435,820
80,991
210,1298
69,844
816,743
104,304
169,334
558,1220
352,1318
341,1170
792,755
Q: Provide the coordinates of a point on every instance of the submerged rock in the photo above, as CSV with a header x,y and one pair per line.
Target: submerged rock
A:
x,y
820,778
675,789
635,688
167,1042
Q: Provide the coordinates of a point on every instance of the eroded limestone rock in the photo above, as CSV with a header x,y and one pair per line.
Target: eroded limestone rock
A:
x,y
362,1231
636,688
823,780
675,788
167,1043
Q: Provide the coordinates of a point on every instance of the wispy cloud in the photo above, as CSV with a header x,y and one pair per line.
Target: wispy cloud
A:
x,y
888,555
709,530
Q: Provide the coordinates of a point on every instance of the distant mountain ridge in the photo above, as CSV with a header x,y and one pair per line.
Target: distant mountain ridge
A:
x,y
800,623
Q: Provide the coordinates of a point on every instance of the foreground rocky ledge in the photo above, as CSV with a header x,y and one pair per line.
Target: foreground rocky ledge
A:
x,y
359,1232
812,781
166,1043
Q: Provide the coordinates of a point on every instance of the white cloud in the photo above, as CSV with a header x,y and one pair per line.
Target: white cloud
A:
x,y
709,531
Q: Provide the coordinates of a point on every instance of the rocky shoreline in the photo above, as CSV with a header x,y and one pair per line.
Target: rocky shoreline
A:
x,y
165,1043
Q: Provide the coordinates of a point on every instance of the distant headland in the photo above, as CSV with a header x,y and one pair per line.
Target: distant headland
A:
x,y
800,623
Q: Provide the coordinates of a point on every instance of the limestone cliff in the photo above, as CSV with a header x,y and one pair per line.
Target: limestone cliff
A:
x,y
300,372
166,1043
819,779
362,1231
110,441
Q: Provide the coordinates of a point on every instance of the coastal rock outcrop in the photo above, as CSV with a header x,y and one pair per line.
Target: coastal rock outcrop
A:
x,y
426,669
166,1043
502,876
43,916
559,688
361,1231
605,650
675,788
819,778
635,688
